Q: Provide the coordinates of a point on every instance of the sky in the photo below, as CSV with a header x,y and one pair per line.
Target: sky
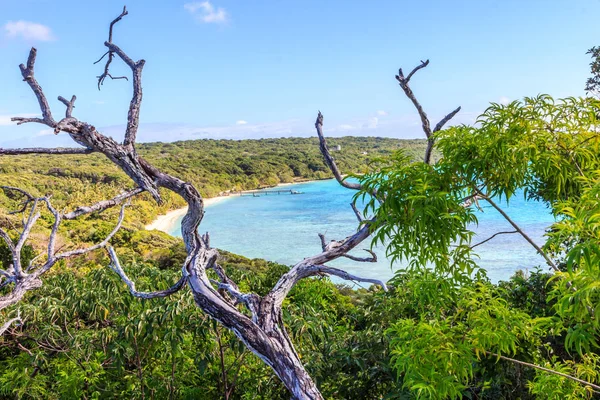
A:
x,y
238,69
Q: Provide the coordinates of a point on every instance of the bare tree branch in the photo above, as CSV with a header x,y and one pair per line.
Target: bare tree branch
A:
x,y
333,244
23,120
444,120
105,74
438,127
330,252
424,118
265,334
372,259
220,271
87,136
357,213
19,190
97,246
54,231
550,371
493,236
104,204
8,323
329,159
136,69
409,93
116,267
27,72
304,270
31,220
28,198
25,281
70,105
250,300
7,239
418,67
518,229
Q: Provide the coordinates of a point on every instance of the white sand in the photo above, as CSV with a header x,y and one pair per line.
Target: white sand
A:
x,y
166,222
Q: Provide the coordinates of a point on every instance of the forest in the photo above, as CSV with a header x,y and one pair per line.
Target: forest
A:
x,y
88,307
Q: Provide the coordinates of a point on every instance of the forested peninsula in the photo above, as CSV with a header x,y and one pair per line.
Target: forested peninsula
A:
x,y
94,306
213,166
87,337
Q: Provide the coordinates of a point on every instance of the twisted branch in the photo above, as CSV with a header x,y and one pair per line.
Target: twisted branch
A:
x,y
116,267
329,159
8,323
426,125
105,74
103,205
133,117
333,244
70,105
27,72
493,236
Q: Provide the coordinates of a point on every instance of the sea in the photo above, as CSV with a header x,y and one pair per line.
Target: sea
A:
x,y
284,228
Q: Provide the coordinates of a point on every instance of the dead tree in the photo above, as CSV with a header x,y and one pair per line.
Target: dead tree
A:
x,y
256,320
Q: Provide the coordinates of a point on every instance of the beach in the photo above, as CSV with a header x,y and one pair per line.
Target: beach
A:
x,y
166,221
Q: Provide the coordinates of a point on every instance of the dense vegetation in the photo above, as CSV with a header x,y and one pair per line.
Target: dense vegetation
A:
x,y
549,150
84,336
212,166
442,331
431,336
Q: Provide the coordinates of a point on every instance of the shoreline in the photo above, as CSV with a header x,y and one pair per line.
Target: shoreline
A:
x,y
165,222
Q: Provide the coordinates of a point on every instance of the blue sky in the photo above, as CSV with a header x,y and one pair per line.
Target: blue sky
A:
x,y
250,69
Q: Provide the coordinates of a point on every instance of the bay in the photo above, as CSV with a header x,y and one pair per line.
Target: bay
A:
x,y
283,228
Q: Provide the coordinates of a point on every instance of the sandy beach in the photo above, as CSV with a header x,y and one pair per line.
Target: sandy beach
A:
x,y
165,222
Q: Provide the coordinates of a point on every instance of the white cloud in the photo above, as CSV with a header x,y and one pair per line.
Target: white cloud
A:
x,y
45,132
504,100
405,126
241,122
29,31
205,12
371,123
5,119
345,127
382,113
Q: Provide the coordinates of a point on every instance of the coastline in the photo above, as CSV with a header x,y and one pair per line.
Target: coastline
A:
x,y
166,221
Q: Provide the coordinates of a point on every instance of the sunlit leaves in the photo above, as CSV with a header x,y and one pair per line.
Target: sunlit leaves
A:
x,y
438,358
550,151
420,217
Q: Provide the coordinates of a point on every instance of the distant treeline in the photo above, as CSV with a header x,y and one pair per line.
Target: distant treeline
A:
x,y
217,165
212,166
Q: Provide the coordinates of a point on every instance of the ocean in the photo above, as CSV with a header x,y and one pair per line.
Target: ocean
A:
x,y
284,228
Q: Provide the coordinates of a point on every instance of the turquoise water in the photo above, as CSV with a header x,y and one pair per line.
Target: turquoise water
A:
x,y
283,228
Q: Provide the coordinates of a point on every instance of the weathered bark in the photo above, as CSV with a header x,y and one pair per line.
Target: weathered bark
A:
x,y
426,125
264,331
26,278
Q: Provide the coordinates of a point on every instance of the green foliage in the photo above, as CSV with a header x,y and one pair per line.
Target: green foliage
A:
x,y
436,334
593,82
420,216
550,151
